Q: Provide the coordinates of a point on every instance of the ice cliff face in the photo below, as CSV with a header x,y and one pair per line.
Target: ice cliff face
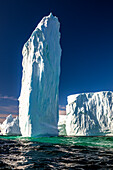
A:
x,y
38,101
10,126
90,114
62,125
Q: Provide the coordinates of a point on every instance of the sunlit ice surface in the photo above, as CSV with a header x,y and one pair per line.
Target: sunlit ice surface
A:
x,y
38,101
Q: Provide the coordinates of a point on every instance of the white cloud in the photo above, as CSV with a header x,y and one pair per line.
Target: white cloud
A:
x,y
9,109
8,98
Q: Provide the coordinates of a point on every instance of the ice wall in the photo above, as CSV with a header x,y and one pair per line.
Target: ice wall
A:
x,y
62,125
38,101
90,114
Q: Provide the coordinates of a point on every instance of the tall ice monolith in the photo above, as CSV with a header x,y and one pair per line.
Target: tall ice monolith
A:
x,y
38,101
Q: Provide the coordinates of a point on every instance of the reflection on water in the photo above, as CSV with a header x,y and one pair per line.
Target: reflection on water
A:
x,y
56,153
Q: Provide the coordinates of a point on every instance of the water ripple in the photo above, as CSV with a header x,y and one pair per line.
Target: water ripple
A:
x,y
26,154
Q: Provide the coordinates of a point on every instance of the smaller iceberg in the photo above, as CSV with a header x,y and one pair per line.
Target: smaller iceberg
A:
x,y
10,126
62,125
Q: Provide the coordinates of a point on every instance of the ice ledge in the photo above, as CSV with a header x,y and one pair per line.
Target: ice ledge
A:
x,y
72,98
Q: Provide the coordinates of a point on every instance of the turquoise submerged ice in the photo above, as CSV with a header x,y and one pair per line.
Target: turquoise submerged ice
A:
x,y
38,101
90,114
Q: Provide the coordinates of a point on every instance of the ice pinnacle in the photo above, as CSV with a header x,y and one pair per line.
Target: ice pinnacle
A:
x,y
38,101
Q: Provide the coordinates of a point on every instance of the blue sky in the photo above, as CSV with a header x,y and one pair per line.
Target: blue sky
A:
x,y
86,41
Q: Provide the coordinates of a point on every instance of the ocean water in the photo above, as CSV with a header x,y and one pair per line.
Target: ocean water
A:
x,y
56,153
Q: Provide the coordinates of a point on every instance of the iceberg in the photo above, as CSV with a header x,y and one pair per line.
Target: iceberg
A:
x,y
10,126
90,114
62,125
38,101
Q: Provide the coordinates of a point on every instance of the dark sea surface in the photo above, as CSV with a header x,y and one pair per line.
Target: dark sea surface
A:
x,y
56,153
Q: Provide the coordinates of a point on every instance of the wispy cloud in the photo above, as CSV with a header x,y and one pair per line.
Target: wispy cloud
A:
x,y
62,112
9,109
61,107
8,98
2,120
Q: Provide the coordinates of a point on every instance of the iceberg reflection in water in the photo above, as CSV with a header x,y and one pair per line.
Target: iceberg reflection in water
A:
x,y
56,153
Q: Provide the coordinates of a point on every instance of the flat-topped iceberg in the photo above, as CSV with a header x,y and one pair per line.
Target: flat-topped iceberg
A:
x,y
90,114
10,126
38,101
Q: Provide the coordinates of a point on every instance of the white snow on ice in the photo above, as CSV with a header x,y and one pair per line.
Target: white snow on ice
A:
x,y
10,126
